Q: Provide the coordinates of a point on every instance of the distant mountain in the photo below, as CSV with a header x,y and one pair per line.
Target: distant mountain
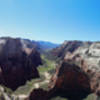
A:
x,y
41,46
44,45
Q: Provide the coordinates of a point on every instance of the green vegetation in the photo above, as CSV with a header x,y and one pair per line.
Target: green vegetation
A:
x,y
7,90
47,66
91,97
59,98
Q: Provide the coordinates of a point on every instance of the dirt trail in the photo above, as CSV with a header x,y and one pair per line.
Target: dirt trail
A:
x,y
47,79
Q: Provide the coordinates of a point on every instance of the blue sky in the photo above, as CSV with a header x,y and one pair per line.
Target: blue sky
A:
x,y
51,20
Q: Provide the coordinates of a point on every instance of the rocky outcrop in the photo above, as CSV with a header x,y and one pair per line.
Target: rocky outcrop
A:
x,y
79,73
88,59
18,62
70,82
68,46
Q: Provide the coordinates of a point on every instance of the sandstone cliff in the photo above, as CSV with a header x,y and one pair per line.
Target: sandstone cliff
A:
x,y
18,62
79,72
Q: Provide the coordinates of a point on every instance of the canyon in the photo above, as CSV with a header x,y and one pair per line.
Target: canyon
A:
x,y
74,76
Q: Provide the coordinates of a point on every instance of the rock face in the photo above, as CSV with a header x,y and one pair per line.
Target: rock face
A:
x,y
70,82
79,73
88,59
38,94
18,62
41,94
68,46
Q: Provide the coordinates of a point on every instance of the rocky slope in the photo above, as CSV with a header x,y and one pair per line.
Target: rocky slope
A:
x,y
88,59
68,46
18,62
79,72
70,82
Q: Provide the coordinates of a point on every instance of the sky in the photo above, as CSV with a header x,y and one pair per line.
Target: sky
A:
x,y
51,20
